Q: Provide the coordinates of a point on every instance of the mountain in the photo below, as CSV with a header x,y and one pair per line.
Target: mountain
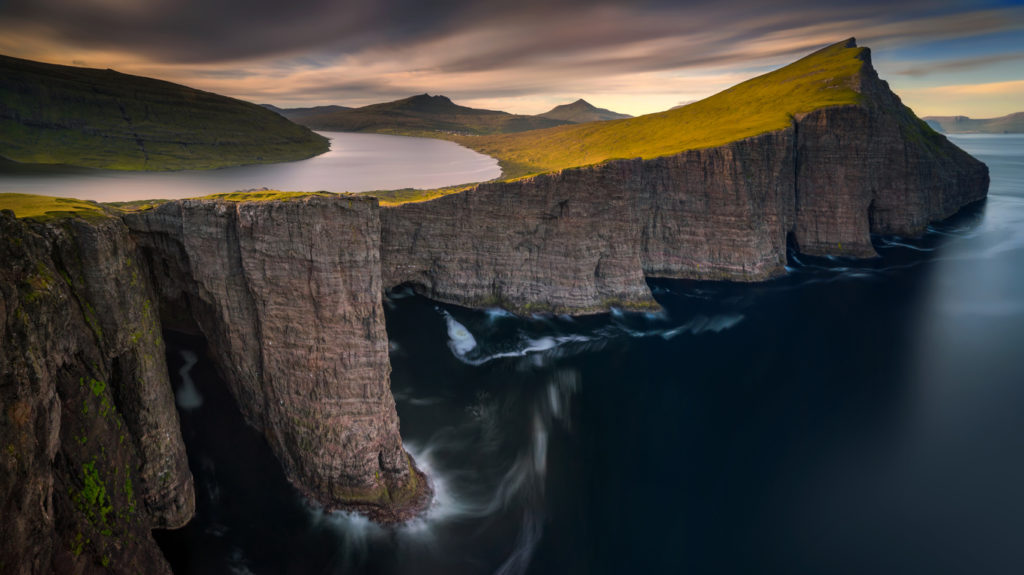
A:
x,y
292,113
829,77
422,115
582,111
52,114
1009,124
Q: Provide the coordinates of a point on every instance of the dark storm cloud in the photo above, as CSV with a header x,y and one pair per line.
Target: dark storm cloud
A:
x,y
218,30
926,69
512,54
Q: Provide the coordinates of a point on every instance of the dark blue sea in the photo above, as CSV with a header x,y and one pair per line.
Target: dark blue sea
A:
x,y
852,417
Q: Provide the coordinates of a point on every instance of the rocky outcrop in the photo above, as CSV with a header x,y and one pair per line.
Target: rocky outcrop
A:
x,y
580,240
92,452
288,293
875,168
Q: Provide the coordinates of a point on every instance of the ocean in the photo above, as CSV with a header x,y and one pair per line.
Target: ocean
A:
x,y
850,417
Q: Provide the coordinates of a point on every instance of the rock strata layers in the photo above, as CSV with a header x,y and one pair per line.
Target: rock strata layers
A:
x,y
288,294
582,239
92,458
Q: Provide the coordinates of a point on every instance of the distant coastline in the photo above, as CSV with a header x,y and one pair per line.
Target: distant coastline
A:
x,y
1008,124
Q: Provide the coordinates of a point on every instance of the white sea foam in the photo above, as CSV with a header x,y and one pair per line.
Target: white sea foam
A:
x,y
187,395
460,340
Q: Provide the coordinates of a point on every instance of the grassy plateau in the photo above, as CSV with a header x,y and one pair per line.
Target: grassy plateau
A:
x,y
759,105
47,208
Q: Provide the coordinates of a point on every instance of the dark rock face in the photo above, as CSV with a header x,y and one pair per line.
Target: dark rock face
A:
x,y
92,452
289,296
581,240
875,168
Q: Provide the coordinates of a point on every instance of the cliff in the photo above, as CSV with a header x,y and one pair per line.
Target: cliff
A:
x,y
92,452
582,239
287,290
53,114
288,294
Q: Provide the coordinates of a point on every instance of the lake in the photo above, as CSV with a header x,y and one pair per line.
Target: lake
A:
x,y
355,163
851,417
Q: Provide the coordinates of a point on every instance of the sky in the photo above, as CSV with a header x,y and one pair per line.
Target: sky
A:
x,y
943,57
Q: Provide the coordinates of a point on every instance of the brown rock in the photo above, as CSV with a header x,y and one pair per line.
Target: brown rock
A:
x,y
288,293
92,452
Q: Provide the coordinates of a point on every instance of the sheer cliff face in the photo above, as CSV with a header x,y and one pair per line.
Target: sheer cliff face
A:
x,y
92,452
582,240
875,168
289,296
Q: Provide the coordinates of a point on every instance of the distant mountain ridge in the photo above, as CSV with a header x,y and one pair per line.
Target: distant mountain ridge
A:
x,y
582,111
51,114
1008,124
426,115
421,115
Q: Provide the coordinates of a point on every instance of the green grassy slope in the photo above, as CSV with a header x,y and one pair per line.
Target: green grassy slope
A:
x,y
759,105
1009,124
423,115
46,208
53,114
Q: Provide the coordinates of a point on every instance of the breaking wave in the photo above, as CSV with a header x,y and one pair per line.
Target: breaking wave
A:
x,y
187,395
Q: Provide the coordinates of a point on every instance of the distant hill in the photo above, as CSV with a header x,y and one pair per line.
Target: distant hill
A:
x,y
422,115
582,111
292,113
1009,124
94,118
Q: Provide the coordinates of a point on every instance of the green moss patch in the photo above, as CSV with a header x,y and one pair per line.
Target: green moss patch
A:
x,y
411,195
263,196
47,208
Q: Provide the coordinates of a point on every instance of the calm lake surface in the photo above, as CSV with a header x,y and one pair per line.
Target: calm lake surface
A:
x,y
853,417
355,163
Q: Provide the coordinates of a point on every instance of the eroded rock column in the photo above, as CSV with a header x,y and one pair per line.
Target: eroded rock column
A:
x,y
288,293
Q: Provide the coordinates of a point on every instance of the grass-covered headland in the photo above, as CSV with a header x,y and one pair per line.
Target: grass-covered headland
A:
x,y
53,114
759,105
47,208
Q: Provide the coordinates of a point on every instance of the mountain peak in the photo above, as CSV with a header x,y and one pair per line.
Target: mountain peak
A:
x,y
581,111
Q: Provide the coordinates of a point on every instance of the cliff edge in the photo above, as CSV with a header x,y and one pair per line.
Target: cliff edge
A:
x,y
829,157
93,458
287,289
288,294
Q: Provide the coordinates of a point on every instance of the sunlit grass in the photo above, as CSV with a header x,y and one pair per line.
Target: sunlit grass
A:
x,y
47,208
262,196
763,104
389,198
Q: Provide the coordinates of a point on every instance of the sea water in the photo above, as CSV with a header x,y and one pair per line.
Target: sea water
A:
x,y
851,417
